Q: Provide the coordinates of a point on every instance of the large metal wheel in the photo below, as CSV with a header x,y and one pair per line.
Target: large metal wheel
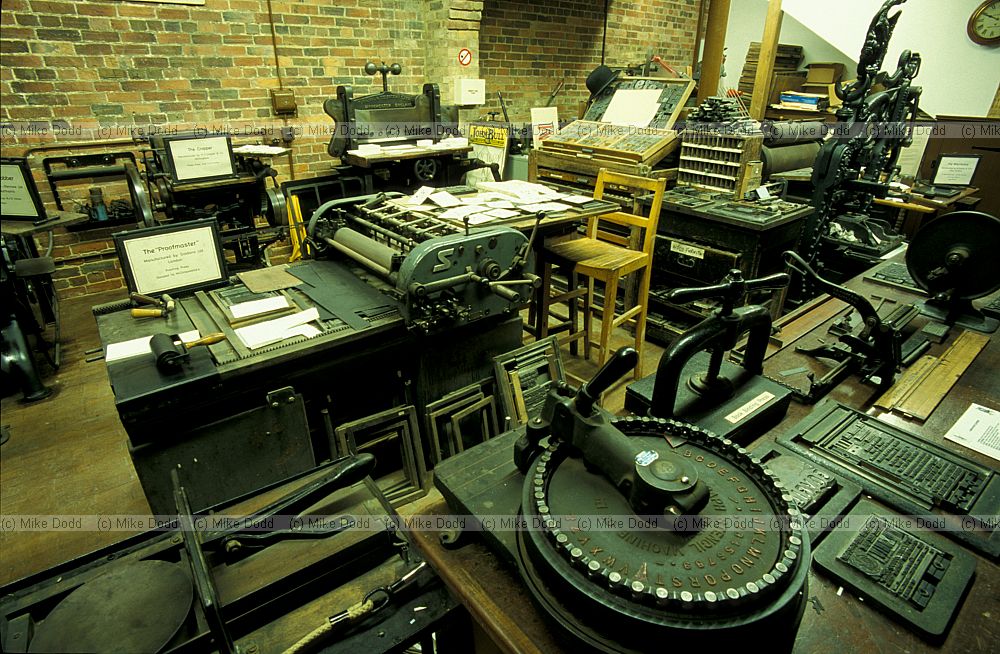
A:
x,y
426,169
634,588
957,253
140,199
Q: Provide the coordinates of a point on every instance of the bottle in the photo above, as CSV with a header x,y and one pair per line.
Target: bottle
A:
x,y
98,211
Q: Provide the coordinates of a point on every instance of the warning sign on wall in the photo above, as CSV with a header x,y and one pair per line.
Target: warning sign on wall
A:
x,y
465,56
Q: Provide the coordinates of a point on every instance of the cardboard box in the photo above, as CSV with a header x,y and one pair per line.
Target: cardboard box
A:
x,y
825,72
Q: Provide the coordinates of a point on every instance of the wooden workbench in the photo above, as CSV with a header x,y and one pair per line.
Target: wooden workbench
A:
x,y
833,620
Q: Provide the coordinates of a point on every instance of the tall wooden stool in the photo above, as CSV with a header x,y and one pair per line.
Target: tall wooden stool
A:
x,y
606,256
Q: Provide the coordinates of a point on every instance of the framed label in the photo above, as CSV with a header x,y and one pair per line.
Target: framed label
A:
x,y
956,169
200,158
18,194
173,258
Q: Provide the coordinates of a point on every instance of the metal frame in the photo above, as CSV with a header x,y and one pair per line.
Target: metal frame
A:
x,y
507,367
399,423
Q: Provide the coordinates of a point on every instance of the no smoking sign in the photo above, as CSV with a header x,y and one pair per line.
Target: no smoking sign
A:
x,y
465,56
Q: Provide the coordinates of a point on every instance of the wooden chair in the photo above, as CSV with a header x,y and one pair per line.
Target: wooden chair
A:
x,y
605,256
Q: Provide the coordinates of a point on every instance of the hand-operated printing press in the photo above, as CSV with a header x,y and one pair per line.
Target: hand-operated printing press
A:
x,y
233,190
321,566
427,291
666,573
695,384
384,133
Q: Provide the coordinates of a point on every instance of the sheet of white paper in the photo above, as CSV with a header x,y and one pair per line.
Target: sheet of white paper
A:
x,y
420,195
978,429
457,213
546,206
444,199
273,331
576,199
139,346
911,156
256,307
519,189
306,330
480,218
635,107
500,204
503,213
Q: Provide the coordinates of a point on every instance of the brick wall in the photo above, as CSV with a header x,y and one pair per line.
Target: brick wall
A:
x,y
529,46
105,67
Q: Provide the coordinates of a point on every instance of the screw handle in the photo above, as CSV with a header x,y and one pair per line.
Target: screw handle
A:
x,y
619,365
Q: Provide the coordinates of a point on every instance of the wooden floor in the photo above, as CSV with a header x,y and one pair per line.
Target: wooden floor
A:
x,y
68,454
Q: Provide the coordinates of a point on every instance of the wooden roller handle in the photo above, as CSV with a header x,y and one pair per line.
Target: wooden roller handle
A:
x,y
147,313
210,339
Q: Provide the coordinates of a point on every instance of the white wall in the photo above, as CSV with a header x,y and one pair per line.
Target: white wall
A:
x,y
746,24
957,75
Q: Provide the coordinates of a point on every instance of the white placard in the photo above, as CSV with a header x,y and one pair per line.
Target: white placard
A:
x,y
201,158
173,260
748,408
911,156
955,171
544,123
15,197
978,429
635,107
687,250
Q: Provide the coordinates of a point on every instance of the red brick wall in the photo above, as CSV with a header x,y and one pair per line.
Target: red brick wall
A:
x,y
528,46
107,66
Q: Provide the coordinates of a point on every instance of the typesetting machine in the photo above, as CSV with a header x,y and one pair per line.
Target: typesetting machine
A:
x,y
666,575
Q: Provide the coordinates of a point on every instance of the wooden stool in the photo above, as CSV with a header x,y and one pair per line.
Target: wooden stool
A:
x,y
605,256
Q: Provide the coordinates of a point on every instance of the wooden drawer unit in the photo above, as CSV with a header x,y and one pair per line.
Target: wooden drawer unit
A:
x,y
697,262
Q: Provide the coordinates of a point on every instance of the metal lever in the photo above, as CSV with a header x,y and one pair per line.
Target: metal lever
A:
x,y
620,364
733,290
856,300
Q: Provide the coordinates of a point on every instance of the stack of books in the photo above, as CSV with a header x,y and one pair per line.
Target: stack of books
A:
x,y
804,101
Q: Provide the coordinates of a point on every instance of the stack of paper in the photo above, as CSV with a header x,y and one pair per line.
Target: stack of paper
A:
x,y
273,331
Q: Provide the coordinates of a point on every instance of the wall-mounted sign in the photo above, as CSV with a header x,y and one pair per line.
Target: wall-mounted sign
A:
x,y
465,56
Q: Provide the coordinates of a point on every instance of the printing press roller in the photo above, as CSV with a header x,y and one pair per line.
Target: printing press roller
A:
x,y
443,277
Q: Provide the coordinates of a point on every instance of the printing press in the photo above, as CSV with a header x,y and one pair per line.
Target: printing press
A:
x,y
393,293
234,192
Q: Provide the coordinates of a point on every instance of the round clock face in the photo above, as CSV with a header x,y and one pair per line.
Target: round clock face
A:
x,y
984,25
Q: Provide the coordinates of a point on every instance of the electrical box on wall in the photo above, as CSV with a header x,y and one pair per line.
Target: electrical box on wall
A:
x,y
470,91
283,101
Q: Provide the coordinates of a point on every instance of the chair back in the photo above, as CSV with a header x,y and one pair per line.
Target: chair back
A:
x,y
642,229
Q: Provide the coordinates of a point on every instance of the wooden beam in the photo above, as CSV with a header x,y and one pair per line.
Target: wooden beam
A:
x,y
765,66
715,42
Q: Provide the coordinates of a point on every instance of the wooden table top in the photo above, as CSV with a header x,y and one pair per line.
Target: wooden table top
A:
x,y
27,227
